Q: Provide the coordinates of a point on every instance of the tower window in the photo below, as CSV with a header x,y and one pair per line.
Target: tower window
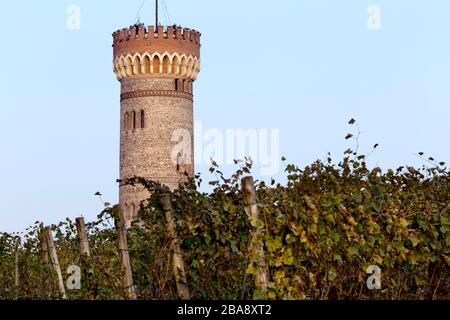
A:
x,y
133,211
177,84
133,119
184,86
179,162
142,119
126,121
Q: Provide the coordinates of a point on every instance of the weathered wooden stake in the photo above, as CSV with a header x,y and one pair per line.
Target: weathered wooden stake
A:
x,y
44,259
16,269
122,245
55,262
44,248
177,258
82,237
257,244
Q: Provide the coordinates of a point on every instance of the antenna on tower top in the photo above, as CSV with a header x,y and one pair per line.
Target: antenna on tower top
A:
x,y
156,13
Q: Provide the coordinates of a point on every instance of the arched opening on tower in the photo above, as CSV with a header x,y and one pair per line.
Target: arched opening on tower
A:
x,y
156,65
142,119
190,67
137,65
132,211
146,64
196,67
175,65
183,66
129,66
126,121
133,119
166,62
123,70
179,162
189,89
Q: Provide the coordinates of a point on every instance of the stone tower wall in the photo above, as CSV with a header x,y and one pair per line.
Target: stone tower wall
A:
x,y
157,72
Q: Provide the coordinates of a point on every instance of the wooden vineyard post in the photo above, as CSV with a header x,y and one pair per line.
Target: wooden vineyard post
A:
x,y
44,248
257,244
45,260
16,264
177,258
124,256
55,262
82,237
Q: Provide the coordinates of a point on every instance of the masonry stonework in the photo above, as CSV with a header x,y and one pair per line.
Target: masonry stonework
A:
x,y
156,71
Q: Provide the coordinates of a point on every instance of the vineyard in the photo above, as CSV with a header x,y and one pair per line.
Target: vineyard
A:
x,y
312,238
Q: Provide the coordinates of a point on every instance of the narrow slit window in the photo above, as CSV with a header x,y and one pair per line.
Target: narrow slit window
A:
x,y
133,119
126,121
179,162
177,84
142,119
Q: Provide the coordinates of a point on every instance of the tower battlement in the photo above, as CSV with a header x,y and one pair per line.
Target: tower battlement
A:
x,y
141,39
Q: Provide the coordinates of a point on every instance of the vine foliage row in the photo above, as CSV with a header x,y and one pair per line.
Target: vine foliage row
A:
x,y
319,232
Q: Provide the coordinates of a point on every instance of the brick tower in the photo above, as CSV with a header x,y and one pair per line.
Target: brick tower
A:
x,y
156,69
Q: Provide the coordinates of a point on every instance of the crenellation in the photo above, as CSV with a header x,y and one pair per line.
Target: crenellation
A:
x,y
133,33
179,31
125,34
171,32
167,39
160,33
142,32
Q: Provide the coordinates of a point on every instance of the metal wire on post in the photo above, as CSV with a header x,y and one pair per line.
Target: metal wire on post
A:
x,y
138,18
168,20
166,13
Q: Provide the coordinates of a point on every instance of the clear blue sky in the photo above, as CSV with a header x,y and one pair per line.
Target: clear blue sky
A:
x,y
302,66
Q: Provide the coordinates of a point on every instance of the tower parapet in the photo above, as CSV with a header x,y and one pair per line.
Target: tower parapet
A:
x,y
171,39
170,51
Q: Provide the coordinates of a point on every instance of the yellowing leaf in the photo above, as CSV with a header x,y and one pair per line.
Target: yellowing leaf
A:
x,y
378,259
303,237
251,269
288,258
352,221
290,239
274,244
332,275
447,259
272,295
403,222
414,240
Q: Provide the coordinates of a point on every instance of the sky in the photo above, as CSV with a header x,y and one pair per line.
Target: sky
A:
x,y
297,68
